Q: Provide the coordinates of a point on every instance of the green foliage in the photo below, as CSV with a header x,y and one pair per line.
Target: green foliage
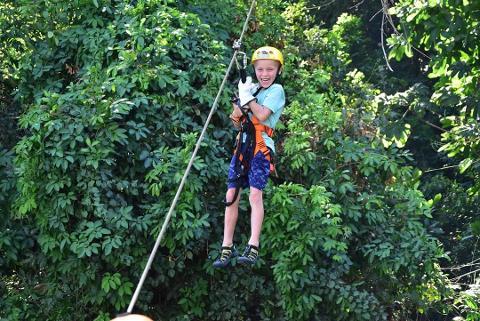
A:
x,y
18,283
379,199
114,95
455,215
447,32
331,150
468,304
8,244
85,165
408,120
15,40
308,243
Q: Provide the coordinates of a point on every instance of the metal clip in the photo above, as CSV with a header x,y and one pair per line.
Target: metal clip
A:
x,y
242,68
237,44
243,65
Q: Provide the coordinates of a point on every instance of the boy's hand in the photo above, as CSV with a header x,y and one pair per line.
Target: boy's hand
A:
x,y
245,91
236,111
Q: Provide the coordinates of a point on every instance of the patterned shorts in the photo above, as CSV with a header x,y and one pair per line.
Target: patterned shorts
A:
x,y
257,175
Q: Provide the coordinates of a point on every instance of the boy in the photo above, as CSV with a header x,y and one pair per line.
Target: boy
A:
x,y
251,167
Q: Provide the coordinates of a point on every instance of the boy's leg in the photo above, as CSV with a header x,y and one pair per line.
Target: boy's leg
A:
x,y
256,219
231,216
257,177
250,254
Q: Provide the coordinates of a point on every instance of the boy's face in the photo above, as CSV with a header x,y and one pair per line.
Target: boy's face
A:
x,y
266,71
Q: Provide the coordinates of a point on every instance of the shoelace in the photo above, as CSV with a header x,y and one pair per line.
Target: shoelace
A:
x,y
225,255
252,254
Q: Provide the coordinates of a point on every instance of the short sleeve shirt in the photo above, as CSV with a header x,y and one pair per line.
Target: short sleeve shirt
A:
x,y
272,98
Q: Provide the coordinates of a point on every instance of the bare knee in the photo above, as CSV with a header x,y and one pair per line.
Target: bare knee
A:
x,y
256,196
231,194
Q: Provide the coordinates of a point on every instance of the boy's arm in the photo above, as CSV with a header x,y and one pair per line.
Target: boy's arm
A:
x,y
261,112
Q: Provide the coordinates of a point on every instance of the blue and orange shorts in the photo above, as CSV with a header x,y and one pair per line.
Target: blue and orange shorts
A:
x,y
257,175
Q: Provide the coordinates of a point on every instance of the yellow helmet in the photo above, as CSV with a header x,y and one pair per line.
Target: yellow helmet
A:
x,y
269,53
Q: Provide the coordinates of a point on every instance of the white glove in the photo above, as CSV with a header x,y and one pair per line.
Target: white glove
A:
x,y
245,91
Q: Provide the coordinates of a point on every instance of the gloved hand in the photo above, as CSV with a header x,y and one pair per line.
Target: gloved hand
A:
x,y
245,91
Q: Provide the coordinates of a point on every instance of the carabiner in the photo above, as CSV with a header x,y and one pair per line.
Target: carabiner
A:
x,y
241,67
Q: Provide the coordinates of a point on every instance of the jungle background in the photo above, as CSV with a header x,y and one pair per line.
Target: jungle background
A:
x,y
373,213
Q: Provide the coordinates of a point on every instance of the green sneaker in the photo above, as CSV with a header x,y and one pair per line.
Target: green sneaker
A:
x,y
227,254
249,256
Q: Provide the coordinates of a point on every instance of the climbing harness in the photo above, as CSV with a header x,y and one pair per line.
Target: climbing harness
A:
x,y
249,142
190,163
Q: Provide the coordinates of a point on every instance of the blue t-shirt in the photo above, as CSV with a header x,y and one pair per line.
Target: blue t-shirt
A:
x,y
272,98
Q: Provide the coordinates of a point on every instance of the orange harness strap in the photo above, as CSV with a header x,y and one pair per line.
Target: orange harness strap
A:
x,y
253,129
260,145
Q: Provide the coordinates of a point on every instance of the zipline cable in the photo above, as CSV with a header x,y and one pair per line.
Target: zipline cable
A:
x,y
190,163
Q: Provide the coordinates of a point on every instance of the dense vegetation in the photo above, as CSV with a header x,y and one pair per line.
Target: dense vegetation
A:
x,y
373,214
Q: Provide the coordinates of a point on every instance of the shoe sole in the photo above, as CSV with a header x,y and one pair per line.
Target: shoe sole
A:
x,y
246,262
